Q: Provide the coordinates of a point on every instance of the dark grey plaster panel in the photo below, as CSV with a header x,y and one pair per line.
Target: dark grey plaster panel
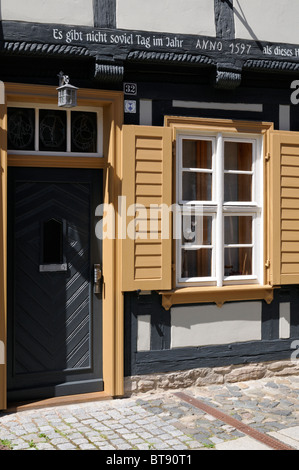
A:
x,y
214,356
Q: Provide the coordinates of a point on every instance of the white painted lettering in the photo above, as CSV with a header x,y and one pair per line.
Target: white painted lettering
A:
x,y
157,41
57,34
283,52
205,44
121,38
212,46
74,35
240,48
267,50
279,51
143,41
96,36
174,42
208,45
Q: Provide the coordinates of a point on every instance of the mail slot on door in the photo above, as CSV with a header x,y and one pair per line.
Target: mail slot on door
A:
x,y
97,288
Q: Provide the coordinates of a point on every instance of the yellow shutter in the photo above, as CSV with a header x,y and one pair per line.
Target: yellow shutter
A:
x,y
3,226
147,183
285,208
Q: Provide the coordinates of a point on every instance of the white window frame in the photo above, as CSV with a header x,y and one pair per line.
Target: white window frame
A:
x,y
68,152
219,209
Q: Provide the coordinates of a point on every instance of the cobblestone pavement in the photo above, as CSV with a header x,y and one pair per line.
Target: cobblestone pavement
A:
x,y
160,420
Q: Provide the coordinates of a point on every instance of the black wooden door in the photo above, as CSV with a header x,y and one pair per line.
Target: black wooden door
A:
x,y
54,316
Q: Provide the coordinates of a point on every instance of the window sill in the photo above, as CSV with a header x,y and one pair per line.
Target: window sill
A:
x,y
218,295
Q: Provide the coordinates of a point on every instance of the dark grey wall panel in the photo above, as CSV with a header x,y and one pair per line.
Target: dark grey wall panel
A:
x,y
216,356
163,359
270,319
294,299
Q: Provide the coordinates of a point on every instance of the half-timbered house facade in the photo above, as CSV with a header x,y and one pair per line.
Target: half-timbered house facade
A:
x,y
151,226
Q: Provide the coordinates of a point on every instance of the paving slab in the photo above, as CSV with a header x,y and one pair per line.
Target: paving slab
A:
x,y
289,436
243,443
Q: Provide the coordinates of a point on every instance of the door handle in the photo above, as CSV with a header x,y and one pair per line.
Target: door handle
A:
x,y
97,278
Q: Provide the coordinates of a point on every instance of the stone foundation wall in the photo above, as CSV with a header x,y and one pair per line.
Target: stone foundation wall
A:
x,y
208,376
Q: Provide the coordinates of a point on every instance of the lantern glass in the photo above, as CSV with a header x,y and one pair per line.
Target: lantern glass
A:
x,y
67,96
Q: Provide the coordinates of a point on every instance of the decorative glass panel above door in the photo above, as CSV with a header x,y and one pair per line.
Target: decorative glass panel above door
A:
x,y
84,132
52,131
21,129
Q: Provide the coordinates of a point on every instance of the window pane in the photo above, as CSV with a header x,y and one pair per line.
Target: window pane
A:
x,y
84,132
237,230
21,129
237,187
237,261
197,154
196,263
196,229
52,131
238,156
197,186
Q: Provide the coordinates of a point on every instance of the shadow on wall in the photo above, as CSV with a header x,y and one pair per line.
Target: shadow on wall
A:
x,y
241,16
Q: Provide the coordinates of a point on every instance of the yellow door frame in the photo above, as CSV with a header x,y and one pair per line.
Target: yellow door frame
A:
x,y
3,251
112,104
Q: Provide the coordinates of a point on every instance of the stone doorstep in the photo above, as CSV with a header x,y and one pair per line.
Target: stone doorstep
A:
x,y
57,401
209,376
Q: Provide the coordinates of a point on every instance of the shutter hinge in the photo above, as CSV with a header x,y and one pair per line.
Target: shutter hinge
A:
x,y
268,263
268,156
173,267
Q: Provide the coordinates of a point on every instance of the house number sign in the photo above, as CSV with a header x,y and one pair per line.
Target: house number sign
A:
x,y
130,89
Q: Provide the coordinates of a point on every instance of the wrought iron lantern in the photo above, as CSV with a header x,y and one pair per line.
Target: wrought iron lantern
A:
x,y
67,93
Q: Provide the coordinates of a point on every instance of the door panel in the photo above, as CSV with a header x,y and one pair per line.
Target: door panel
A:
x,y
54,329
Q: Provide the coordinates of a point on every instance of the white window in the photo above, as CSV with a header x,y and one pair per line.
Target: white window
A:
x,y
220,194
